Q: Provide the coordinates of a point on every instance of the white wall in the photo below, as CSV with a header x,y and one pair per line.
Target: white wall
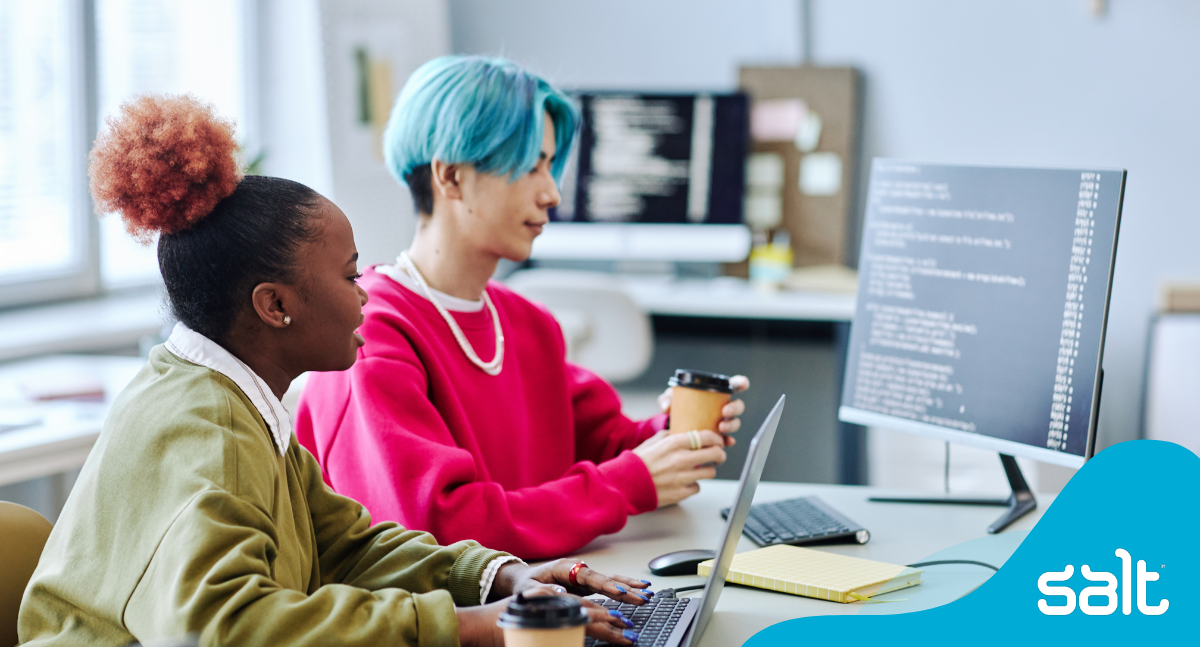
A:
x,y
309,101
292,118
674,44
405,33
1021,82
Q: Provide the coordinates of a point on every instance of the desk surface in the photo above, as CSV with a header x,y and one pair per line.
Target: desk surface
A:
x,y
900,534
62,433
734,298
81,326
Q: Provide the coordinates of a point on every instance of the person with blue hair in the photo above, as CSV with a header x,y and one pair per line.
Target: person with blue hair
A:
x,y
462,416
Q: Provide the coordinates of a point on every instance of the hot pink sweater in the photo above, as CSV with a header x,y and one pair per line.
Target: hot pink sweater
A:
x,y
534,461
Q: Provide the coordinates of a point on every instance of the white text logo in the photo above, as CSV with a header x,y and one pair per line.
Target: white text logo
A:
x,y
1108,591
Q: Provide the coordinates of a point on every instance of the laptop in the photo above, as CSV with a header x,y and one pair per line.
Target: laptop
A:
x,y
680,622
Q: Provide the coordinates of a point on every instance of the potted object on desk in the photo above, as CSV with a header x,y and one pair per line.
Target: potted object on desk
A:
x,y
771,263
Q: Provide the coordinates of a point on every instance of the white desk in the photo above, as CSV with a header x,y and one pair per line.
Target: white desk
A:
x,y
88,325
64,431
734,298
900,534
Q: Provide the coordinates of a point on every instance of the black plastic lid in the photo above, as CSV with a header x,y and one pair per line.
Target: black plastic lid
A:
x,y
543,612
701,380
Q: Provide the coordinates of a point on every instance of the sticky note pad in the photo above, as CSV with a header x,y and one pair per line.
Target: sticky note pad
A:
x,y
815,574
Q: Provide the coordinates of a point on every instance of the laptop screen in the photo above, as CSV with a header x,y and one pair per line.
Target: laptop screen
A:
x,y
751,471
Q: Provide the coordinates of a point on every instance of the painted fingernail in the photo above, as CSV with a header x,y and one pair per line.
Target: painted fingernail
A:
x,y
621,589
648,592
621,616
560,589
646,582
630,635
642,596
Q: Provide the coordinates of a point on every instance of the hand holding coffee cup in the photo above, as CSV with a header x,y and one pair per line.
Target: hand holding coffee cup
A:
x,y
677,462
698,400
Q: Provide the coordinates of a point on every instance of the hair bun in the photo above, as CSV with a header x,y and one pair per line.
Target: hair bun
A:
x,y
164,163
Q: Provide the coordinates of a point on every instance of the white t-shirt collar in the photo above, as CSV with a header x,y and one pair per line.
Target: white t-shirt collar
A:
x,y
449,302
193,347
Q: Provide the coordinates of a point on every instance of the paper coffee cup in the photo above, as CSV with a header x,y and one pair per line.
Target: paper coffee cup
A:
x,y
565,637
697,398
543,621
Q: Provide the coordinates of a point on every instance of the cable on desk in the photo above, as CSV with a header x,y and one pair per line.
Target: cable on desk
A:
x,y
670,593
953,561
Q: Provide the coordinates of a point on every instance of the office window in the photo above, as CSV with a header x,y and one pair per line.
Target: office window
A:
x,y
43,230
164,46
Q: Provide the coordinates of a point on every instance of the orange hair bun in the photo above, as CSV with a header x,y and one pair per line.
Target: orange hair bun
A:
x,y
164,163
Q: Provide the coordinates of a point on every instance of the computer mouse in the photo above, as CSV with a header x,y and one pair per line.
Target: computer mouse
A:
x,y
680,562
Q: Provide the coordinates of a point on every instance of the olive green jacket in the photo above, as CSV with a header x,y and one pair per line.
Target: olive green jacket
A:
x,y
187,520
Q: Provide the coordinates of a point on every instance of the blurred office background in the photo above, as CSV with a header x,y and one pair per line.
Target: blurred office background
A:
x,y
1069,83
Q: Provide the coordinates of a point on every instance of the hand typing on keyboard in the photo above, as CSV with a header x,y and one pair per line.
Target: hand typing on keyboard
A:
x,y
653,622
477,625
561,577
515,577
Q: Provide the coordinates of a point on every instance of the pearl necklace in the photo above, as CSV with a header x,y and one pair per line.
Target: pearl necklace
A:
x,y
491,368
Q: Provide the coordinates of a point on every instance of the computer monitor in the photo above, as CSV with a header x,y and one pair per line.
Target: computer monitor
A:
x,y
654,177
982,305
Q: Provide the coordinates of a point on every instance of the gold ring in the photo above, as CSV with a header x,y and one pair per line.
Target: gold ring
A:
x,y
694,440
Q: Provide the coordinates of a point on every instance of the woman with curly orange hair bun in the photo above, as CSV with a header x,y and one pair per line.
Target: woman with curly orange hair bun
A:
x,y
197,511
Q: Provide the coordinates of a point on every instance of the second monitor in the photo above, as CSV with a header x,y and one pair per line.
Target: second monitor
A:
x,y
982,304
654,177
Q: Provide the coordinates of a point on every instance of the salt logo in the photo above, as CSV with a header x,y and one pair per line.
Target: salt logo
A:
x,y
1108,591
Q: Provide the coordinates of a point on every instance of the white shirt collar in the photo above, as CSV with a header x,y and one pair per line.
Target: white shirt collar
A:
x,y
193,347
449,302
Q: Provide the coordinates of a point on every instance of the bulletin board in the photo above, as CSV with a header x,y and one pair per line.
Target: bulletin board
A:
x,y
818,219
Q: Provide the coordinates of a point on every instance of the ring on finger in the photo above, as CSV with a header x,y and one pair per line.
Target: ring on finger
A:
x,y
694,440
574,571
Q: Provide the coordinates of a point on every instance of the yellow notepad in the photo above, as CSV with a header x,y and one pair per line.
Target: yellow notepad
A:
x,y
815,574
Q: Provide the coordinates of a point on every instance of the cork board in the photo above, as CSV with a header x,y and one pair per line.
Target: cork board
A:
x,y
819,224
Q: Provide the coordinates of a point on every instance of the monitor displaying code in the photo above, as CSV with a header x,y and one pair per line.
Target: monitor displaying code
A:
x,y
982,303
658,158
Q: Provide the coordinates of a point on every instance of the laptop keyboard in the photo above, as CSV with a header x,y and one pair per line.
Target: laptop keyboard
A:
x,y
799,521
653,621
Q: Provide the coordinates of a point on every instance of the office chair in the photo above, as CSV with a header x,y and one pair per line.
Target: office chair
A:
x,y
605,330
25,533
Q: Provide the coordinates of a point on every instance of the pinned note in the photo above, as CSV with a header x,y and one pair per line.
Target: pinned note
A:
x,y
777,120
808,136
764,190
821,174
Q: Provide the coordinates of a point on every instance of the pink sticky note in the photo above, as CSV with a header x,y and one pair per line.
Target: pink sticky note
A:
x,y
777,120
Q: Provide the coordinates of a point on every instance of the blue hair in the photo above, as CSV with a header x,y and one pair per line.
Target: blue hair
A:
x,y
486,112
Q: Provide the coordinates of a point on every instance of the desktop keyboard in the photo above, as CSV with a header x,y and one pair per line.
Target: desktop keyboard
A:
x,y
653,621
804,520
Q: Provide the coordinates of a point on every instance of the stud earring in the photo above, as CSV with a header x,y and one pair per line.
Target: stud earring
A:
x,y
287,320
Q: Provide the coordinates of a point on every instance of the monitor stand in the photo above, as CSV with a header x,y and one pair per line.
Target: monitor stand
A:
x,y
1019,503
